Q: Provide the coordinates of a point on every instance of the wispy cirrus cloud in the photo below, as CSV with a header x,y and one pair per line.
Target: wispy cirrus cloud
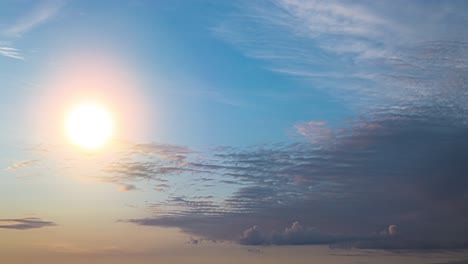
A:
x,y
39,14
23,22
10,52
373,55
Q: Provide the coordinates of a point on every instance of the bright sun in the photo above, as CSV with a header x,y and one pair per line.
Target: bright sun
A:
x,y
89,125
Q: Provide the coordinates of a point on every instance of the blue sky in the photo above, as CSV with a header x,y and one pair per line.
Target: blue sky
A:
x,y
294,123
176,49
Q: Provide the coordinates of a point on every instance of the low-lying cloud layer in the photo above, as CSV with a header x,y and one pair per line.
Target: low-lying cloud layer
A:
x,y
24,223
395,182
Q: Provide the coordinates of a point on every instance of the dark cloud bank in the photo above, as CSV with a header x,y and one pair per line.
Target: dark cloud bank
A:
x,y
397,178
392,182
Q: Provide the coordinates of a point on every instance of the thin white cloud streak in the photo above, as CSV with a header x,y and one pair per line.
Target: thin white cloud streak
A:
x,y
35,17
11,53
335,18
43,11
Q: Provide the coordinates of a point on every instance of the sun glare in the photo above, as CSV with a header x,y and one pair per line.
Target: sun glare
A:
x,y
89,125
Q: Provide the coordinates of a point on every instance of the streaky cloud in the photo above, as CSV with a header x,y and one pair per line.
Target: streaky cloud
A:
x,y
42,12
24,223
370,54
21,164
11,52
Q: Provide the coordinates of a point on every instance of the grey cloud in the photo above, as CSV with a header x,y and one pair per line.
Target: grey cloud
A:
x,y
252,236
296,234
148,162
164,151
255,250
24,223
401,164
197,241
293,235
373,174
193,241
456,262
127,187
315,130
392,230
212,227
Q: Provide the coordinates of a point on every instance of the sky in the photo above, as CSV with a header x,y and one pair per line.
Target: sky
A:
x,y
282,131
